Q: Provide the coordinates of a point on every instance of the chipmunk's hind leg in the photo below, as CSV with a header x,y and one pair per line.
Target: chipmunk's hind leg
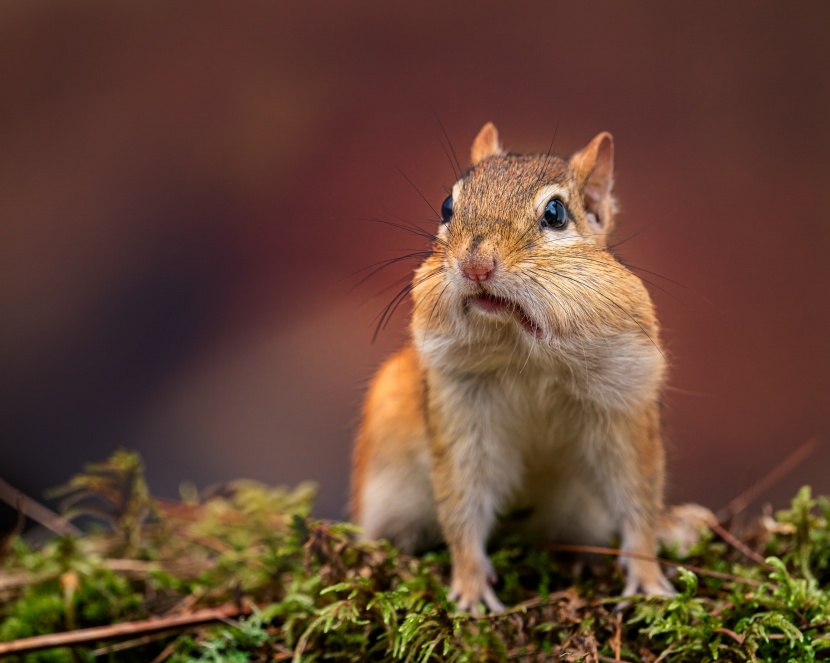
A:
x,y
392,496
398,505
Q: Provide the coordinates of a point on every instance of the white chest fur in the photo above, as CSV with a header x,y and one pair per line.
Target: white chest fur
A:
x,y
613,372
534,423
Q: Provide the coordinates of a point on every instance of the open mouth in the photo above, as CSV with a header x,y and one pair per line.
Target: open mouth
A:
x,y
493,305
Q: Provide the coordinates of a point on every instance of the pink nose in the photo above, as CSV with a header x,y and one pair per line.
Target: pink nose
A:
x,y
478,270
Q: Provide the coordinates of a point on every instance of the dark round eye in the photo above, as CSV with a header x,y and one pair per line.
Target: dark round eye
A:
x,y
555,216
446,210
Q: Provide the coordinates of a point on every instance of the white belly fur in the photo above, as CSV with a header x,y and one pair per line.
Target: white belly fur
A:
x,y
551,435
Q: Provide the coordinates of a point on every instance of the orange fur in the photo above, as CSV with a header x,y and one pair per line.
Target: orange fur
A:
x,y
535,388
395,399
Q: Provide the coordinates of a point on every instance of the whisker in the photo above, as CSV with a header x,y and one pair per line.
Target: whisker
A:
x,y
672,281
434,306
405,226
449,142
420,193
433,237
455,173
534,275
622,268
396,282
546,160
381,317
520,246
388,311
610,301
613,246
380,266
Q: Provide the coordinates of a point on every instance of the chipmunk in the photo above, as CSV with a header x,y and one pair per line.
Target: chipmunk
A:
x,y
531,380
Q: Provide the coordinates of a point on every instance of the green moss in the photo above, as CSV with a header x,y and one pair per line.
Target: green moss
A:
x,y
317,595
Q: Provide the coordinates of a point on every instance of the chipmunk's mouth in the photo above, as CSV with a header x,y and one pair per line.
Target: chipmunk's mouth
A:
x,y
499,306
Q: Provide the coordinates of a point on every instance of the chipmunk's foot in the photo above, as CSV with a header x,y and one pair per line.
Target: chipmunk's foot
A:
x,y
680,527
470,601
469,590
646,578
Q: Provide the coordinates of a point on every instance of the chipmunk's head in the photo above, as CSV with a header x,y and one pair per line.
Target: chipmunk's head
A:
x,y
525,236
546,198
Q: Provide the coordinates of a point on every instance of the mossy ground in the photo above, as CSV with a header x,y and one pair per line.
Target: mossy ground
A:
x,y
311,593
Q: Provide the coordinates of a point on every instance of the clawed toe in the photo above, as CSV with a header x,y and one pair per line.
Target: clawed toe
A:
x,y
470,601
646,579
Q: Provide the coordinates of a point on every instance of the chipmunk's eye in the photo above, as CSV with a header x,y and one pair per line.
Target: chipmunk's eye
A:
x,y
446,210
555,215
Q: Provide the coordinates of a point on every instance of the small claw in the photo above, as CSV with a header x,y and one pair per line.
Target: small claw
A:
x,y
631,586
476,589
490,600
656,586
472,604
490,572
661,588
462,605
649,578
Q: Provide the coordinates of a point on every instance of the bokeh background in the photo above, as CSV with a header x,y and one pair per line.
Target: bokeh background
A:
x,y
184,188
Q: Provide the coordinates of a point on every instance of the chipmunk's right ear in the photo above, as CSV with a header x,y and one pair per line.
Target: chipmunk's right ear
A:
x,y
594,169
486,144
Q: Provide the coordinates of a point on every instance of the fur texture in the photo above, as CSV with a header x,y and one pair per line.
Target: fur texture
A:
x,y
531,380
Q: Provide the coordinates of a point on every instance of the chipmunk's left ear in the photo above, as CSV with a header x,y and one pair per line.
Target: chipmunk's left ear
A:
x,y
593,167
486,144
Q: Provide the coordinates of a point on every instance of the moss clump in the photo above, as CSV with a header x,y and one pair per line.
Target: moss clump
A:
x,y
312,593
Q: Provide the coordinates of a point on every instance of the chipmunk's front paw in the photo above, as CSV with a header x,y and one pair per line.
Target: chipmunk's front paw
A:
x,y
647,578
469,590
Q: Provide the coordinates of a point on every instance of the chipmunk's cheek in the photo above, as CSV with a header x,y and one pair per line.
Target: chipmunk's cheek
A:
x,y
559,240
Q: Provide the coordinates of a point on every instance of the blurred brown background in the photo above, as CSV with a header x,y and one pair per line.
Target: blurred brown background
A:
x,y
182,188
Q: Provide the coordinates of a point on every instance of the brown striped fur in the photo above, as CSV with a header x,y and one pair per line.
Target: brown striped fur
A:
x,y
548,404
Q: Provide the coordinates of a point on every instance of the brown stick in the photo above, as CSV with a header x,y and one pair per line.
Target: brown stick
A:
x,y
131,568
668,650
651,558
36,511
616,641
531,604
752,493
738,544
521,652
737,638
166,653
12,580
85,635
132,644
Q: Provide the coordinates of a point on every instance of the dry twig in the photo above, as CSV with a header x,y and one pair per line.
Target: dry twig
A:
x,y
736,543
668,650
165,653
36,511
131,644
651,558
616,641
147,626
752,493
737,638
